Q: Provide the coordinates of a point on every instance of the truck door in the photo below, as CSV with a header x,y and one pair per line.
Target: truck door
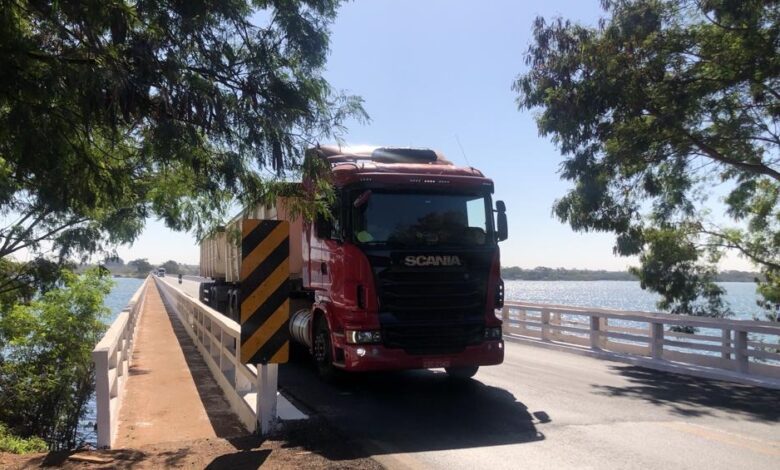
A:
x,y
325,238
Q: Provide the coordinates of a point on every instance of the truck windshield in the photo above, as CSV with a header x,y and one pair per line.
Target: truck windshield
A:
x,y
421,219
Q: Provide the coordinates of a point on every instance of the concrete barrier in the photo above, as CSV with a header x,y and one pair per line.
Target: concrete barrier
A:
x,y
740,350
112,357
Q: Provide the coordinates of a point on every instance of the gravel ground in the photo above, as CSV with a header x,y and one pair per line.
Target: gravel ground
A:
x,y
309,444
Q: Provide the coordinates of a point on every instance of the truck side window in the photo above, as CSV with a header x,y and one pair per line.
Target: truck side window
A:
x,y
335,212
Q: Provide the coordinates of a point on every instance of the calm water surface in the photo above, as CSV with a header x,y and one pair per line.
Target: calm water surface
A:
x,y
621,295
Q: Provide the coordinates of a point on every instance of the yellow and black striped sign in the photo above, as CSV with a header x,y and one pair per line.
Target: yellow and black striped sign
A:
x,y
265,291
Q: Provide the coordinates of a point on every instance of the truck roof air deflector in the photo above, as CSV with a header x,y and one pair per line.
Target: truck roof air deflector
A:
x,y
403,155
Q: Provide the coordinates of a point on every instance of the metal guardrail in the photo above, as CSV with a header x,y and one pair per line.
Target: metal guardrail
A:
x,y
217,339
731,349
112,357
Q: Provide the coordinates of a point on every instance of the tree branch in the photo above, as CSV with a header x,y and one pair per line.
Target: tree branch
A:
x,y
730,243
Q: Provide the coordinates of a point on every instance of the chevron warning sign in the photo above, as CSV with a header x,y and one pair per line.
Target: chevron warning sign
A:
x,y
265,291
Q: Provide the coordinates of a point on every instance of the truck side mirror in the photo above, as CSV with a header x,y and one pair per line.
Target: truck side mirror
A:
x,y
501,224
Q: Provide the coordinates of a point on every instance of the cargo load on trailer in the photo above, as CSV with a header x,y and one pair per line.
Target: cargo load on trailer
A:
x,y
404,273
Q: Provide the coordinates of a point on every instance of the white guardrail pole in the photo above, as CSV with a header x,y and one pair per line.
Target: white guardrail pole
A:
x,y
654,339
267,380
112,357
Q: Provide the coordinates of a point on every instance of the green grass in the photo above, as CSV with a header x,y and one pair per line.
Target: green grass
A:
x,y
20,445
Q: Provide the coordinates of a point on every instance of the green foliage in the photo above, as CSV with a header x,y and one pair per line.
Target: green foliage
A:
x,y
114,111
46,370
142,266
655,108
19,445
171,267
541,273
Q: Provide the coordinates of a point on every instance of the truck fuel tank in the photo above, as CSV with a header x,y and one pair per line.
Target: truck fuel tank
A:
x,y
300,325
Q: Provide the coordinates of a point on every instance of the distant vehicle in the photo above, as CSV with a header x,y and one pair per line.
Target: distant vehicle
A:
x,y
161,272
404,274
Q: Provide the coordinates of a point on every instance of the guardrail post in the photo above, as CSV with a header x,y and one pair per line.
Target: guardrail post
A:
x,y
657,340
545,325
740,350
725,343
555,319
266,397
102,399
595,332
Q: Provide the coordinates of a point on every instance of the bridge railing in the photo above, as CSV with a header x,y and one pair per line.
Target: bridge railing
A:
x,y
112,357
217,339
736,348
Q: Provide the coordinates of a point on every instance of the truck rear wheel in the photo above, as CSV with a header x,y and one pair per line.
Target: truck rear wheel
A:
x,y
461,373
323,350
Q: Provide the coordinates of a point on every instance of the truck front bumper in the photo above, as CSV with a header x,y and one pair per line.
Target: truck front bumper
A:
x,y
374,357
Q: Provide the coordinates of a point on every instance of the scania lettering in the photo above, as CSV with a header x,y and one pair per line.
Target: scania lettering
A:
x,y
432,261
404,273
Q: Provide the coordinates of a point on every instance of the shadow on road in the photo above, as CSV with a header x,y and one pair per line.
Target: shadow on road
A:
x,y
413,411
242,459
692,396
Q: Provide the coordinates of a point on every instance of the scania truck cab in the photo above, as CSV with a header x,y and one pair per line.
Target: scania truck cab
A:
x,y
406,272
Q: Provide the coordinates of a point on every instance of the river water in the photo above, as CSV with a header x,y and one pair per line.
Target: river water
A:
x,y
621,295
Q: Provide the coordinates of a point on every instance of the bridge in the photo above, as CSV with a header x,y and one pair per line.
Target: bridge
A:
x,y
579,388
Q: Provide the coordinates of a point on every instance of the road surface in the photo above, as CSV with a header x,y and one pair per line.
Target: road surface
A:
x,y
545,409
548,409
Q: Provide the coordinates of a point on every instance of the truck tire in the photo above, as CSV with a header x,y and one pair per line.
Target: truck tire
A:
x,y
461,373
323,350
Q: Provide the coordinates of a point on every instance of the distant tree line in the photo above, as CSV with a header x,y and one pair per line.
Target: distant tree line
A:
x,y
141,267
542,273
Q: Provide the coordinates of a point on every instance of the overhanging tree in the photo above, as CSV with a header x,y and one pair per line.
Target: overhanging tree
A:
x,y
115,111
664,105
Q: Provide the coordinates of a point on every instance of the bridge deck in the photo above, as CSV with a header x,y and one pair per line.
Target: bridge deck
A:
x,y
170,393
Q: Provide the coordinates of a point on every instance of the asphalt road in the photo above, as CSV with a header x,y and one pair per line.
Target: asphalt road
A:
x,y
543,409
547,409
189,284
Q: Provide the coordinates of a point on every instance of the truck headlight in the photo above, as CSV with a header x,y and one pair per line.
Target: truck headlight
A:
x,y
363,337
493,332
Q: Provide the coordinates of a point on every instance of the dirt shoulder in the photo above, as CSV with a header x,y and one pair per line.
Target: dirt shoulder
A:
x,y
308,444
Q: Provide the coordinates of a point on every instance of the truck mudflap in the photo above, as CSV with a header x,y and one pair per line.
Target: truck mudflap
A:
x,y
374,357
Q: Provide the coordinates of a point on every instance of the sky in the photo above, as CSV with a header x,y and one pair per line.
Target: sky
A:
x,y
437,73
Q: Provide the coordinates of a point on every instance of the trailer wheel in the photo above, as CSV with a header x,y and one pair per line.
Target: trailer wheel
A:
x,y
461,373
323,350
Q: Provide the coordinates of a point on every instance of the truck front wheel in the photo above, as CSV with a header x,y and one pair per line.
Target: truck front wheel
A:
x,y
461,373
323,351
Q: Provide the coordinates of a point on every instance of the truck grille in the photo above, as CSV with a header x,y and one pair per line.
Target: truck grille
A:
x,y
431,297
417,339
436,311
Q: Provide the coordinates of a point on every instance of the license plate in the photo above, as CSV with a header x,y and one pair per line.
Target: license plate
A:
x,y
436,363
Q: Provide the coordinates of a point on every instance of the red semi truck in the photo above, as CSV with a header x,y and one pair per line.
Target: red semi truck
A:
x,y
405,274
